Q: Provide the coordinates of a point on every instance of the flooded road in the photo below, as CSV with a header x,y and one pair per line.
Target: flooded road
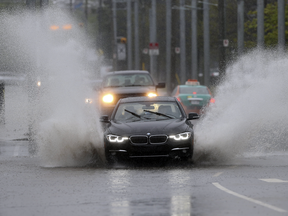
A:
x,y
240,161
251,185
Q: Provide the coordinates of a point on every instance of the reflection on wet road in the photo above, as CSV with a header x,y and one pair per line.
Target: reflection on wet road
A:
x,y
243,186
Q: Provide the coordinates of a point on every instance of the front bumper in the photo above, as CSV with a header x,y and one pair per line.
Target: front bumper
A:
x,y
170,149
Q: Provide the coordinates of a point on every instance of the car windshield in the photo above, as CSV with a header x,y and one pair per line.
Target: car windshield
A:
x,y
147,111
192,89
122,80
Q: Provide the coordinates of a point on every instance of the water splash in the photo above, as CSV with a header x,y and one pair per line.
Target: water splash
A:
x,y
66,130
250,110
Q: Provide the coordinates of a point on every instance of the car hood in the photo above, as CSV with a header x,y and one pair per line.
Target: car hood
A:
x,y
130,89
171,126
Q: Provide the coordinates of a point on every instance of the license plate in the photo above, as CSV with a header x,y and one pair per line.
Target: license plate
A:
x,y
195,102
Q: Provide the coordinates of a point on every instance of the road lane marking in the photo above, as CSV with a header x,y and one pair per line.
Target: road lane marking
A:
x,y
273,180
216,184
217,174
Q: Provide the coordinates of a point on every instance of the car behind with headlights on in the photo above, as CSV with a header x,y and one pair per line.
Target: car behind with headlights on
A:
x,y
123,84
144,127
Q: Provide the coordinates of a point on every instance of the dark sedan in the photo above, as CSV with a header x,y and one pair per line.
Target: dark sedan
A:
x,y
122,84
144,127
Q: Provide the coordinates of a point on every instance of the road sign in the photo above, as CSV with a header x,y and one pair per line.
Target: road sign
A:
x,y
121,52
153,46
145,51
177,50
225,42
153,49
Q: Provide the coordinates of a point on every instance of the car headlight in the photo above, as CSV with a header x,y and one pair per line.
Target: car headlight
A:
x,y
181,136
151,94
115,138
108,98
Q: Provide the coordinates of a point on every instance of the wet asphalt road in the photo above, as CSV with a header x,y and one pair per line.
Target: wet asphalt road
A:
x,y
244,186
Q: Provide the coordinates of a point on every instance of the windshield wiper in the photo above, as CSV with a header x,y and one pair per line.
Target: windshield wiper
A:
x,y
134,114
160,114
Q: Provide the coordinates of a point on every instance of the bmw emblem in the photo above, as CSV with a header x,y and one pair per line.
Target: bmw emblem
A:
x,y
148,134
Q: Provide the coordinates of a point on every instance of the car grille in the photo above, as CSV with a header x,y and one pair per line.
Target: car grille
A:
x,y
158,139
139,140
143,140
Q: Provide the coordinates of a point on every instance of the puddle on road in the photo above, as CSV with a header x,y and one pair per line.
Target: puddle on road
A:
x,y
248,116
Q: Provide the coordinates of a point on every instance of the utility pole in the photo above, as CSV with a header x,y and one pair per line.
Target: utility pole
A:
x,y
281,25
194,39
152,19
136,33
182,43
222,36
206,42
260,23
129,34
240,24
115,55
168,45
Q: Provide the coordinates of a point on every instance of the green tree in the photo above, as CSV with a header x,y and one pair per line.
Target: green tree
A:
x,y
270,26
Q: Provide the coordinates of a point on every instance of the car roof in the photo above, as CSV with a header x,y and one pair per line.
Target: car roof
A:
x,y
127,72
143,99
186,86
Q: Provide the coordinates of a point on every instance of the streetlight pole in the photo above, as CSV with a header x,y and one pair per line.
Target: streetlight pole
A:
x,y
129,35
152,24
222,36
136,32
168,45
182,43
115,55
194,39
206,43
240,24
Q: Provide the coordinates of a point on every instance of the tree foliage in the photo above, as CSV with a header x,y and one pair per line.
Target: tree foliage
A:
x,y
270,26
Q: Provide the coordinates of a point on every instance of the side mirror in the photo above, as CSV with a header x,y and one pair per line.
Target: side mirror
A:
x,y
193,116
104,119
160,85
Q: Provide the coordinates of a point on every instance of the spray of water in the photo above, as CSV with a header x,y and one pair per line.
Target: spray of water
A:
x,y
250,111
65,129
249,114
